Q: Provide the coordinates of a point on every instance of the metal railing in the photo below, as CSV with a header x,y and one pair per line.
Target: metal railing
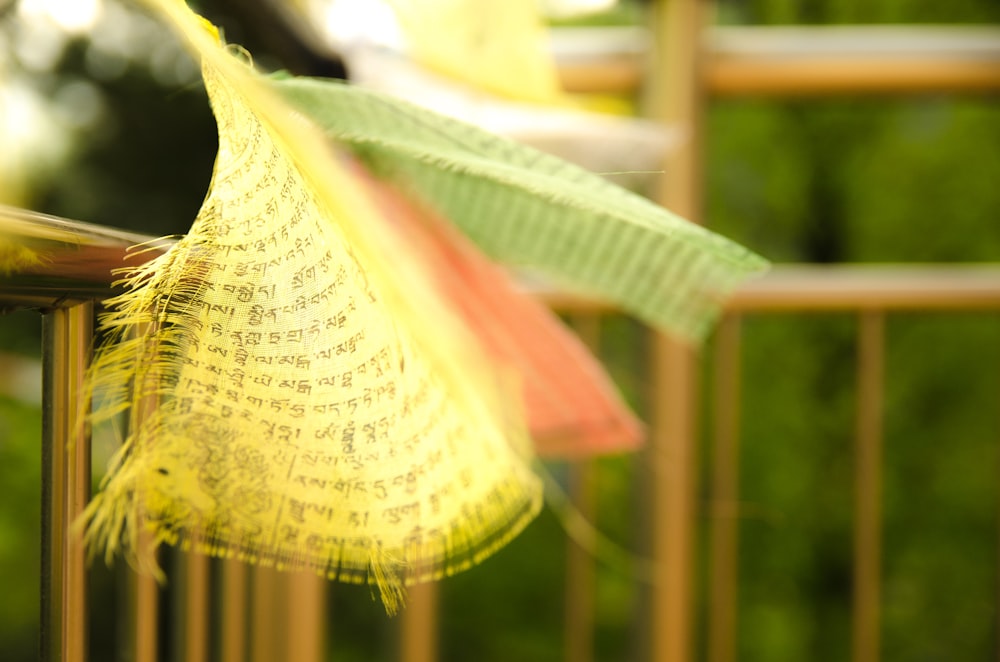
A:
x,y
61,269
871,293
248,603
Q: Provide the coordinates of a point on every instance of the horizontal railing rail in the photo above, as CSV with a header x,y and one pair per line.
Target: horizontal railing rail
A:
x,y
792,287
794,60
47,261
76,261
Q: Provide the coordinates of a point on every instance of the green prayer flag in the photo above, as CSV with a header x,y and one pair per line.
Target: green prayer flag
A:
x,y
527,209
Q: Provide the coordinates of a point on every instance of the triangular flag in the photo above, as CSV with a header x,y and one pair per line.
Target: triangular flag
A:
x,y
297,395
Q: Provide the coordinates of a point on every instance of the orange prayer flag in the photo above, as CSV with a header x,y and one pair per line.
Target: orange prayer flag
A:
x,y
572,407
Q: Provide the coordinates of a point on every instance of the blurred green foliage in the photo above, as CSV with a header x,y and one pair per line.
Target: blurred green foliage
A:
x,y
857,180
848,180
20,526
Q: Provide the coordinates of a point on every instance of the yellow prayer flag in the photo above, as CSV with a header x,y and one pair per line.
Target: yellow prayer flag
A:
x,y
297,395
497,45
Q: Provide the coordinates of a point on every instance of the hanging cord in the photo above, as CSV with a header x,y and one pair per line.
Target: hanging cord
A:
x,y
591,539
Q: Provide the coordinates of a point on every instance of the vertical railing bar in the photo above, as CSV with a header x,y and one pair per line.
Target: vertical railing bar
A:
x,y
144,595
67,337
672,451
418,639
580,600
233,608
725,494
81,336
145,590
267,600
306,614
868,486
194,606
147,595
677,95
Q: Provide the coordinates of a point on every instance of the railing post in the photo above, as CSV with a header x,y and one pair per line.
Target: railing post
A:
x,y
676,91
580,596
306,616
140,641
868,488
193,607
673,466
268,599
420,624
580,591
233,618
723,581
67,333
